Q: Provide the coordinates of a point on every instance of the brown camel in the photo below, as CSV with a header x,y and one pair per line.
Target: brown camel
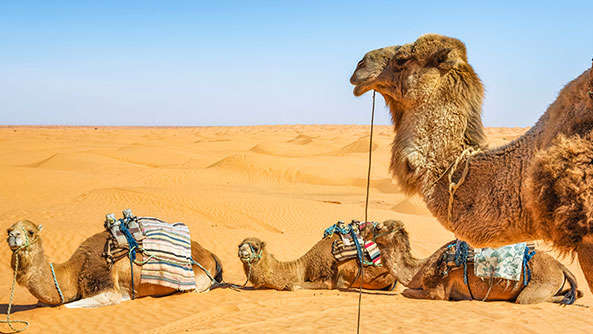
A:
x,y
425,280
86,274
316,269
540,186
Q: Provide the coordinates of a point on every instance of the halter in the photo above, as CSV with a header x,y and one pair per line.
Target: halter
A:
x,y
252,258
375,236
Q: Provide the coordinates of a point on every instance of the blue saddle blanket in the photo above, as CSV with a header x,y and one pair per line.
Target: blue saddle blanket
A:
x,y
503,262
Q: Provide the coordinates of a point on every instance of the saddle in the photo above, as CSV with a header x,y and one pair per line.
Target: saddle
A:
x,y
165,248
347,247
117,245
503,262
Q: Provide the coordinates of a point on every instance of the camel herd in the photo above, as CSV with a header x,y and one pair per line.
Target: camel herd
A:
x,y
540,186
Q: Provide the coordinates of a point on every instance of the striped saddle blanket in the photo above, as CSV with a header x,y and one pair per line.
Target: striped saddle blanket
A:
x,y
503,262
345,247
167,252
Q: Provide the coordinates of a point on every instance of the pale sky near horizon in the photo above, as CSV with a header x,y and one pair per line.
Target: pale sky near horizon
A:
x,y
194,63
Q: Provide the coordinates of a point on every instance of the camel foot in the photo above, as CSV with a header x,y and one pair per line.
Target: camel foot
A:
x,y
103,299
585,252
416,294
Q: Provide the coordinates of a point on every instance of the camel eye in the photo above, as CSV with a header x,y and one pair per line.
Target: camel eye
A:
x,y
31,233
360,63
401,61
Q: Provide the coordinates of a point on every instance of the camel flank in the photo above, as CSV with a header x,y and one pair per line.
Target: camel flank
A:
x,y
86,274
539,186
425,280
316,269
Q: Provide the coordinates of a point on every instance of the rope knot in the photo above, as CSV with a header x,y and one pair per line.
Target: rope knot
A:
x,y
453,186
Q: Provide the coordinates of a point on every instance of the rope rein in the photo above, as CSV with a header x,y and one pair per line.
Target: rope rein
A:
x,y
16,269
366,208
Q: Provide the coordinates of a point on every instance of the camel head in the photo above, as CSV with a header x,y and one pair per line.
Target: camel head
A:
x,y
430,71
250,250
386,233
22,234
369,67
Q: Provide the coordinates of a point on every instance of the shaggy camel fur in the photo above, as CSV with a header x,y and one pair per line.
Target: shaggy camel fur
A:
x,y
425,280
540,186
316,269
86,274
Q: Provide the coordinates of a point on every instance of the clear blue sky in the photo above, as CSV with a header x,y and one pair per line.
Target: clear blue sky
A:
x,y
267,62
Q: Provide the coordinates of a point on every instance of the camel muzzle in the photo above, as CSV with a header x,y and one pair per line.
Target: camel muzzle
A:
x,y
14,242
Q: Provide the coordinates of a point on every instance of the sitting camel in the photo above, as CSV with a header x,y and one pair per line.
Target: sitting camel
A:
x,y
316,269
539,186
425,280
86,274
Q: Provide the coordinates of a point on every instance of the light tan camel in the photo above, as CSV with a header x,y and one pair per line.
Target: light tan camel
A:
x,y
316,269
425,280
540,186
86,274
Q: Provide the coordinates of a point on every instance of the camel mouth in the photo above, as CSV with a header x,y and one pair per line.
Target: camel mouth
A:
x,y
245,254
13,244
361,88
244,259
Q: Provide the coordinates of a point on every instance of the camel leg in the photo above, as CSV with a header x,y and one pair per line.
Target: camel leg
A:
x,y
538,292
585,252
106,298
421,294
203,282
416,294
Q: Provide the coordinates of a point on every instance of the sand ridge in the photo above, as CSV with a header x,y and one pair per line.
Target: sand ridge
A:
x,y
284,184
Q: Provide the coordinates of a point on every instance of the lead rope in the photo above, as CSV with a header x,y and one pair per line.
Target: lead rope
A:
x,y
8,321
53,274
366,209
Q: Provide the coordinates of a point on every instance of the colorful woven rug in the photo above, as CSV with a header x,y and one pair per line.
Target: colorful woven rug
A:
x,y
171,247
345,247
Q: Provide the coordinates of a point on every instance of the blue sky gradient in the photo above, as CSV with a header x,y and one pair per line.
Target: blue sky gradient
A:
x,y
267,62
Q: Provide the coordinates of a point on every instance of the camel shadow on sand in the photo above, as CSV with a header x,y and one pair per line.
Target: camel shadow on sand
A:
x,y
19,308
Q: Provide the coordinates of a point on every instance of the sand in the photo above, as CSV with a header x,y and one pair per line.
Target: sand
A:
x,y
283,184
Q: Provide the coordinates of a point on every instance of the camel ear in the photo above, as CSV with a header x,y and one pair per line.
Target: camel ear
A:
x,y
39,228
263,244
442,55
380,226
445,58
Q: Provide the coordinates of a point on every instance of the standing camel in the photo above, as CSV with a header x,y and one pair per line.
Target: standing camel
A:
x,y
86,280
540,186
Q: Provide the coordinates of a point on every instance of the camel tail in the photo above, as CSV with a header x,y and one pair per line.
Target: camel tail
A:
x,y
571,294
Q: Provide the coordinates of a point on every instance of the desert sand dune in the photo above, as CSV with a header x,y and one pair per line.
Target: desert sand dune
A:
x,y
284,184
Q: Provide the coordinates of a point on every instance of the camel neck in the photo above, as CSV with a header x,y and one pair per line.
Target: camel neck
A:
x,y
401,263
35,274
